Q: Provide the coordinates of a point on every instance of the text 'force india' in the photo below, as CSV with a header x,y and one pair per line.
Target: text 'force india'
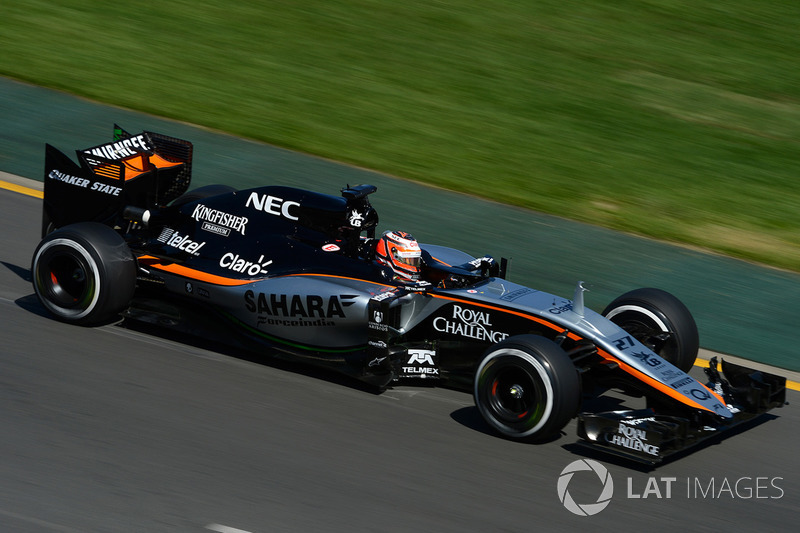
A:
x,y
295,272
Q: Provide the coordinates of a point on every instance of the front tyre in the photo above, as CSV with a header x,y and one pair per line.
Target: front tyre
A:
x,y
660,321
527,388
84,273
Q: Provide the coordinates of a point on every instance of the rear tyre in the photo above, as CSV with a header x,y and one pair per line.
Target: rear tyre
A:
x,y
660,321
201,193
527,388
84,273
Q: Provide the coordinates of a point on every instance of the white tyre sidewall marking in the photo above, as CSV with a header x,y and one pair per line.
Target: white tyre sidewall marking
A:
x,y
545,377
638,309
62,311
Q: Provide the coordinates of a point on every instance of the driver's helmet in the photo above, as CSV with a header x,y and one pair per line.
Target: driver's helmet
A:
x,y
400,251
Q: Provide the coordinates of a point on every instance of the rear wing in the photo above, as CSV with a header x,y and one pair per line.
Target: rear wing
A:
x,y
146,170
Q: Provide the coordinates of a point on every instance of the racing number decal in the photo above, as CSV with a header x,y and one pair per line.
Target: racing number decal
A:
x,y
624,343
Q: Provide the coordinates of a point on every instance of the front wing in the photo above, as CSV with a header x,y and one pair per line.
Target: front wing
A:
x,y
649,436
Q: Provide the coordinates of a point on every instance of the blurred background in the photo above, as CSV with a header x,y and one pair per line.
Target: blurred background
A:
x,y
672,119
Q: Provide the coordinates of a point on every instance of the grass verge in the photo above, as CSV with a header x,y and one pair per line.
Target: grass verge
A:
x,y
667,118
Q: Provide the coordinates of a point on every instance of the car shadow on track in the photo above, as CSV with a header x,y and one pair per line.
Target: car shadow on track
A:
x,y
23,273
468,417
270,359
31,304
471,418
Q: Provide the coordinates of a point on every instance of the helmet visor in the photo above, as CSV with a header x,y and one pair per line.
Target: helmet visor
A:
x,y
410,258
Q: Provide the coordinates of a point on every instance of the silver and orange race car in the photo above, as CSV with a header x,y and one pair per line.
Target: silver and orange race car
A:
x,y
294,274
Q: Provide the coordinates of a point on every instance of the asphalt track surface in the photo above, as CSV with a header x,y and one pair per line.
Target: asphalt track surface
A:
x,y
114,429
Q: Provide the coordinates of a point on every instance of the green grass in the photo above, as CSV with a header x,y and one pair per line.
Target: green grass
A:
x,y
673,119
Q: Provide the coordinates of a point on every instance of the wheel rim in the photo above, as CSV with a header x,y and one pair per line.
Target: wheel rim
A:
x,y
68,284
513,396
66,279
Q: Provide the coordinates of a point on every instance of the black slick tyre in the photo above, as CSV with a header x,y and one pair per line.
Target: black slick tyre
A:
x,y
660,321
84,273
527,388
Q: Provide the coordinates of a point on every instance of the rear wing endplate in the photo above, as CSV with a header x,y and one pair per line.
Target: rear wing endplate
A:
x,y
146,170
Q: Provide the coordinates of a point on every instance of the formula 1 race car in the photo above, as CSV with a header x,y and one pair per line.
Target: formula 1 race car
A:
x,y
303,275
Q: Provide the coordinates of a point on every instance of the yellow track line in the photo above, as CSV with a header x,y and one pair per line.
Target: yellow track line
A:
x,y
703,363
20,189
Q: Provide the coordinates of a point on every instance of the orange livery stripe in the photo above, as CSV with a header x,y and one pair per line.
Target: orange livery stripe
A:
x,y
191,273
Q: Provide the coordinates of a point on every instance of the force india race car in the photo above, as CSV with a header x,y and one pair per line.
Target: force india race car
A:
x,y
293,273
